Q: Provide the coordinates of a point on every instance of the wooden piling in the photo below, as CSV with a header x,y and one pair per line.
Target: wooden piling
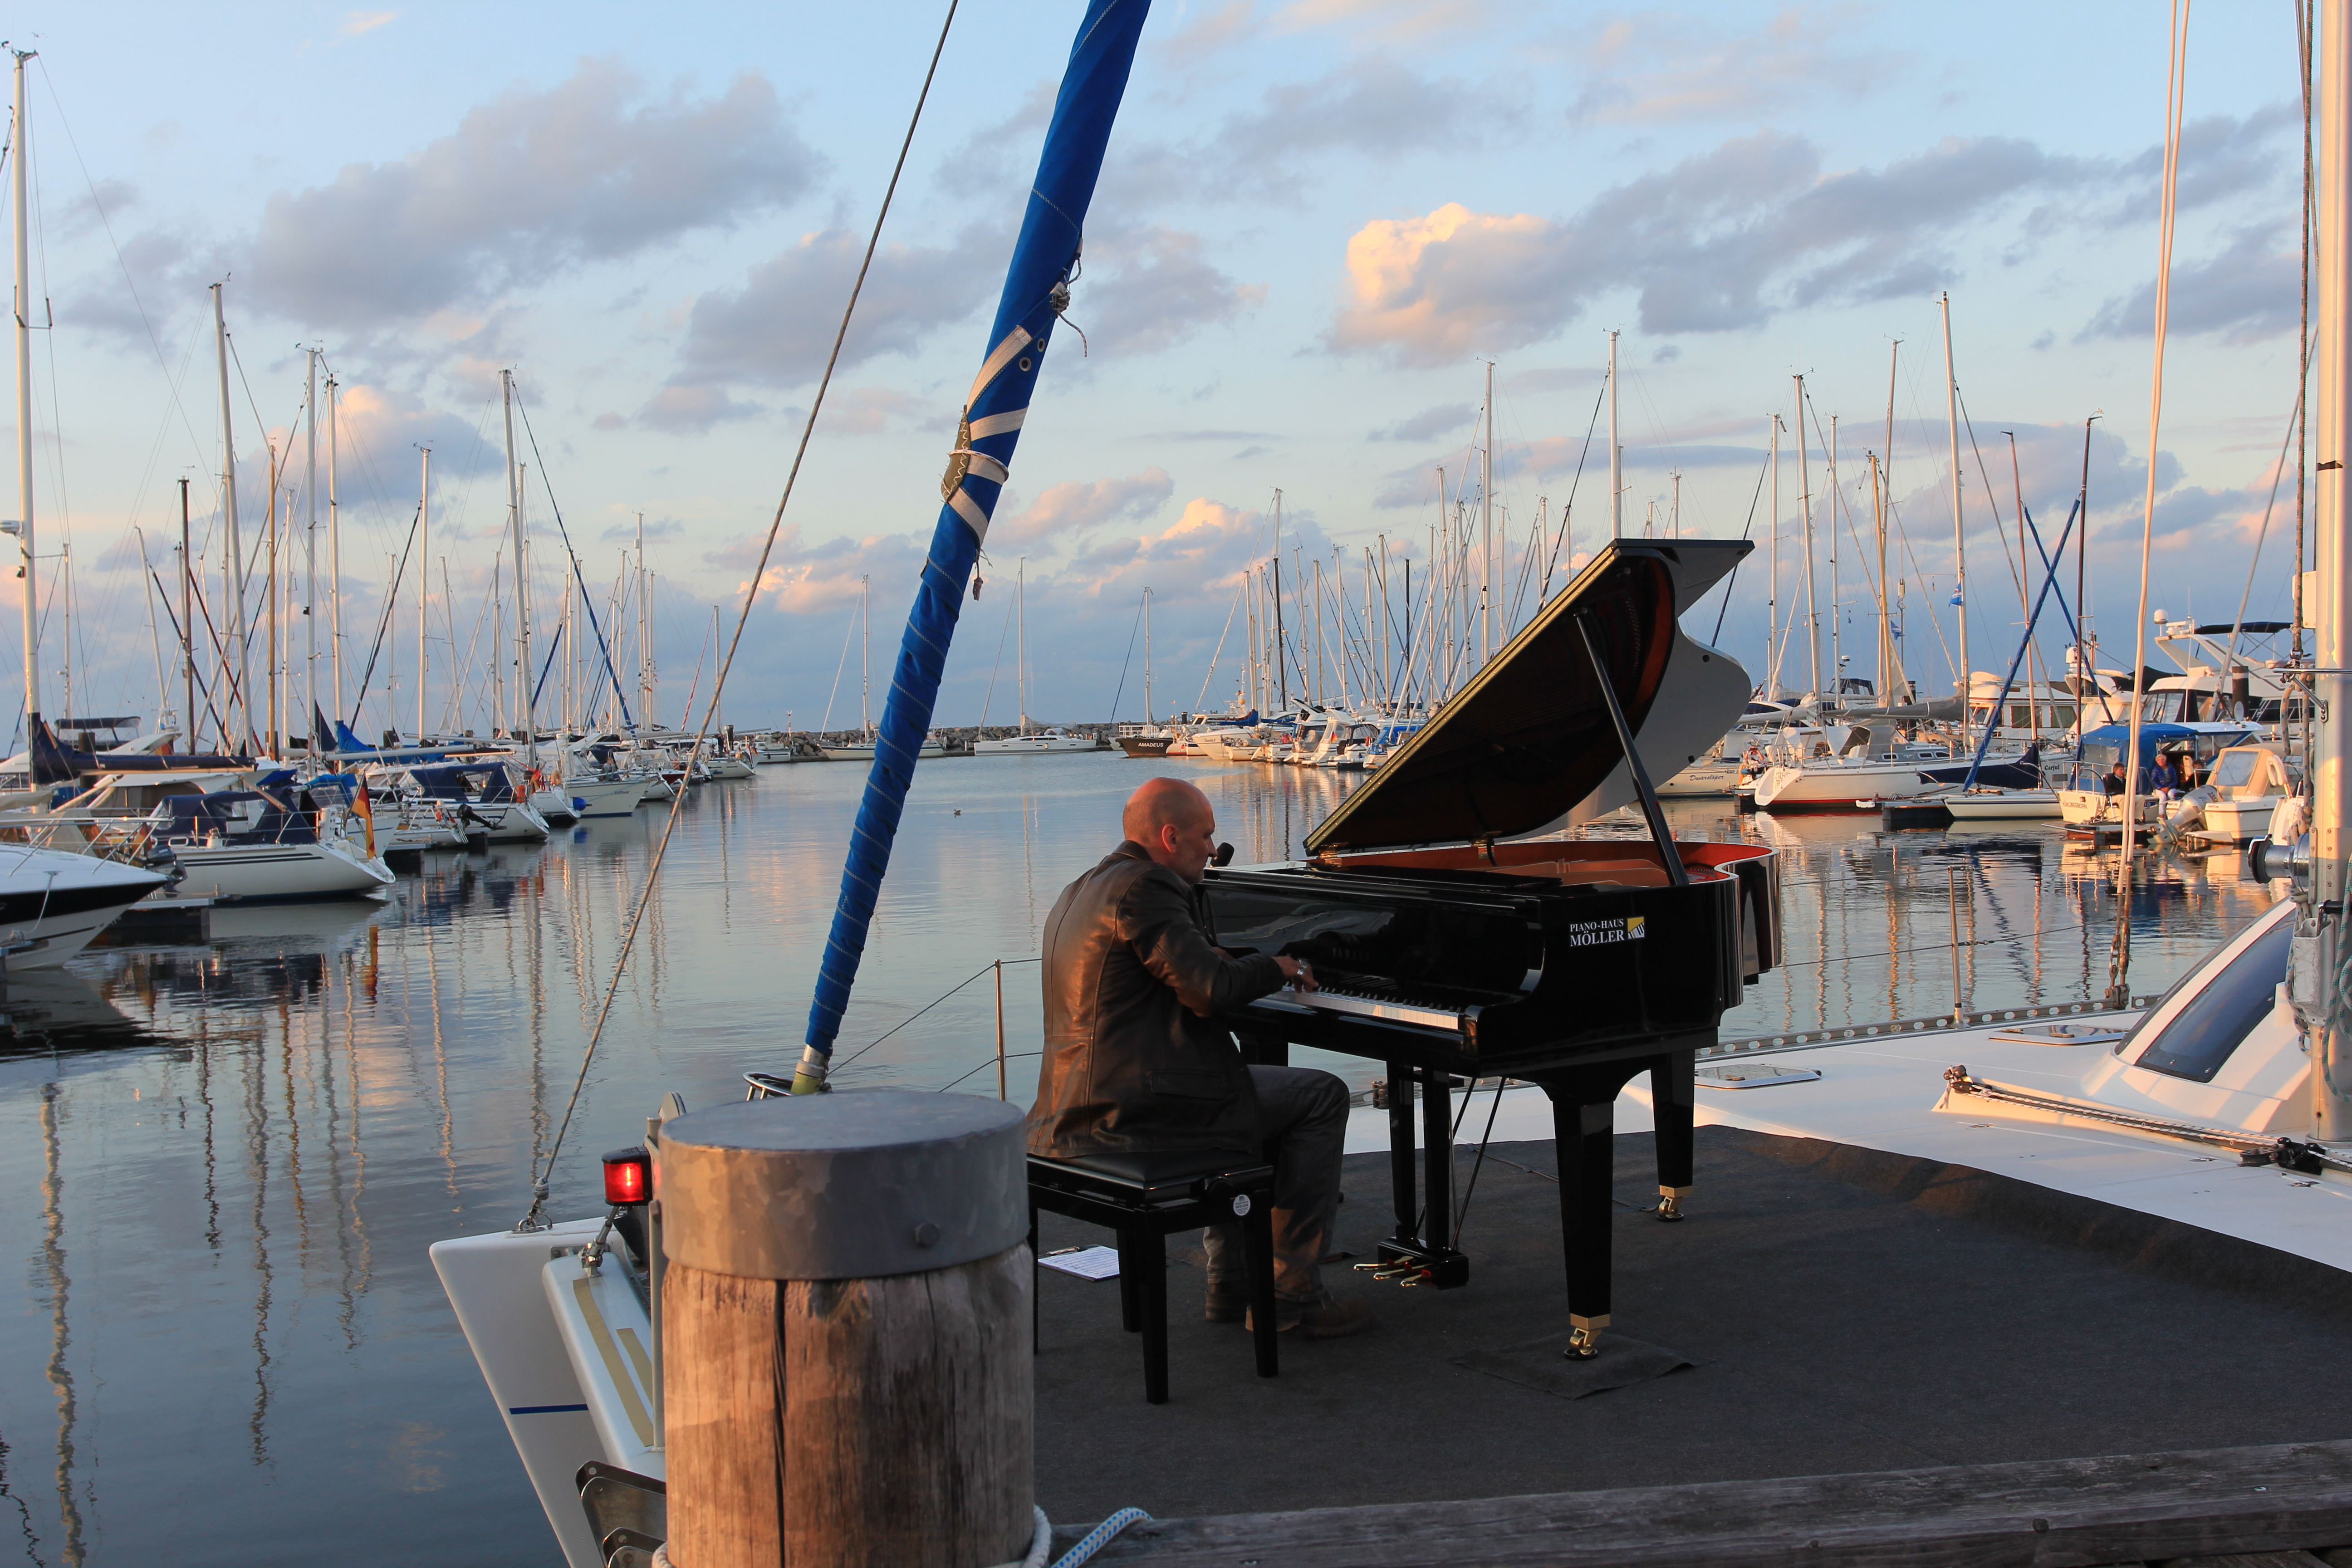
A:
x,y
845,1332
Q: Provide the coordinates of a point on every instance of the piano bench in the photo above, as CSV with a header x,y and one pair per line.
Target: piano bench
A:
x,y
1144,1198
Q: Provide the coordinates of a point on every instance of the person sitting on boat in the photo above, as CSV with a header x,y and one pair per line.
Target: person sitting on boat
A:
x,y
2114,783
2164,779
1139,1057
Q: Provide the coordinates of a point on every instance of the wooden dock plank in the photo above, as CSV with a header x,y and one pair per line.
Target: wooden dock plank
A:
x,y
2064,1514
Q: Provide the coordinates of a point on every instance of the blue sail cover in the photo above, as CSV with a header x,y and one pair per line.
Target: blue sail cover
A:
x,y
1042,259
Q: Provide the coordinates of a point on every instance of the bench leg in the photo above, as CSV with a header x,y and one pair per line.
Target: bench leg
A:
x,y
1152,1254
1257,1230
1130,1273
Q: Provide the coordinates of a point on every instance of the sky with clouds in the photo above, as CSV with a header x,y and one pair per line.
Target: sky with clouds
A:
x,y
1318,223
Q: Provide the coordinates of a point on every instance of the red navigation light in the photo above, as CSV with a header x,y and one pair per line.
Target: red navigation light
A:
x,y
628,1177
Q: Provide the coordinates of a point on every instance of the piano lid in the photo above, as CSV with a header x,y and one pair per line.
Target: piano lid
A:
x,y
1527,744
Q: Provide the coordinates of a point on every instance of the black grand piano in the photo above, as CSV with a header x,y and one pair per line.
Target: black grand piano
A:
x,y
1457,935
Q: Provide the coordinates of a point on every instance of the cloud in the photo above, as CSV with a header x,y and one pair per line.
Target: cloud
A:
x,y
2220,157
802,576
2247,291
1160,291
1209,34
1665,68
528,186
1393,19
357,22
1371,107
687,409
1445,418
1722,241
873,410
991,156
625,532
778,328
1072,507
1202,554
381,426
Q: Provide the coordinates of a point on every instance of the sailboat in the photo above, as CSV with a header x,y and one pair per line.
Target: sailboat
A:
x,y
1029,739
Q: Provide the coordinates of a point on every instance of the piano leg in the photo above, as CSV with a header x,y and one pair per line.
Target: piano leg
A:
x,y
1672,1104
1584,1127
1437,1160
1400,1151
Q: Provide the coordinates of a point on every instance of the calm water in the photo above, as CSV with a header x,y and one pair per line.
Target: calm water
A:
x,y
224,1342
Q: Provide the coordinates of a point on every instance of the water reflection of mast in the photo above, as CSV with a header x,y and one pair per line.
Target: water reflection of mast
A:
x,y
359,1101
440,1061
293,1121
348,1313
205,1098
53,1255
256,1108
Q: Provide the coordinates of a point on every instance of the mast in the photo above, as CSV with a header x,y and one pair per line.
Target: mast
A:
x,y
1805,506
187,629
1882,490
1837,616
864,651
1773,597
233,567
1487,540
522,580
1960,539
310,546
1147,657
423,580
2331,757
334,555
1616,452
25,420
1021,641
644,637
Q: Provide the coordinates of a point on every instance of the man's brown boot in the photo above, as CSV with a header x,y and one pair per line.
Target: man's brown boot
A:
x,y
1326,1318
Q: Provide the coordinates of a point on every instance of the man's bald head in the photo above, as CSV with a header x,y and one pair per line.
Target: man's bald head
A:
x,y
1174,822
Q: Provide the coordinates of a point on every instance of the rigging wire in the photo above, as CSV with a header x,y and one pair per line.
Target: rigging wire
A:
x,y
751,598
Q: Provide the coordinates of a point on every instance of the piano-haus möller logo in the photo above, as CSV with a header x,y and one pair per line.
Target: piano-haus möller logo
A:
x,y
1598,933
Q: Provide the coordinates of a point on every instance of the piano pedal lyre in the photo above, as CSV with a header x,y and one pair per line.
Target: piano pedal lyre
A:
x,y
1584,1337
1670,1202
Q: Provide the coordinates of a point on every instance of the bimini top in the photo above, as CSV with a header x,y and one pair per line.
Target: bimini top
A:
x,y
1528,745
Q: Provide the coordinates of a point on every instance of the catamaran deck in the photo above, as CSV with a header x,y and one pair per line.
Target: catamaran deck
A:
x,y
1845,1308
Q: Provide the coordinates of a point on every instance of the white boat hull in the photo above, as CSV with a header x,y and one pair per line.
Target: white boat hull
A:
x,y
1706,777
554,806
1019,745
1838,786
2007,806
53,903
605,797
866,753
259,873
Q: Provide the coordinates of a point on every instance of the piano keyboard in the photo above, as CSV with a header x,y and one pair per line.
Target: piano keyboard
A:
x,y
1330,999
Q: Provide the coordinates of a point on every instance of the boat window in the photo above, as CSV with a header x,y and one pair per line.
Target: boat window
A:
x,y
2228,1002
2233,772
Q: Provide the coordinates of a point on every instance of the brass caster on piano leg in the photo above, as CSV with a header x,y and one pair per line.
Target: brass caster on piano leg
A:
x,y
1583,1342
1670,1207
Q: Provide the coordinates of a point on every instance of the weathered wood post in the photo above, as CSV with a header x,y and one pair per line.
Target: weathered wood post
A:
x,y
844,1331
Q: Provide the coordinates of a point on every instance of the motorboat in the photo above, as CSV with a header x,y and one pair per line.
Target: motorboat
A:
x,y
1711,773
1813,768
932,746
2241,793
53,902
1055,739
2000,805
2084,800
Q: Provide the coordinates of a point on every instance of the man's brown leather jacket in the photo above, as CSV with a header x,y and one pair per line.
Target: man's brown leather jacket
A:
x,y
1136,1056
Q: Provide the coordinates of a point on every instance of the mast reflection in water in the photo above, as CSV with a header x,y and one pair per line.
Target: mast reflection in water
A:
x,y
227,1344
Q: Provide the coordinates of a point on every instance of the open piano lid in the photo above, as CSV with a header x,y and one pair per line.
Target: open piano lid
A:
x,y
1528,745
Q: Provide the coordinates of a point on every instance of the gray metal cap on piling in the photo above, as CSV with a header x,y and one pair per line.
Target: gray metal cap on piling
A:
x,y
849,1185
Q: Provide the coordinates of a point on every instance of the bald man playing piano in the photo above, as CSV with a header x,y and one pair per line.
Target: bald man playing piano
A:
x,y
1139,1057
